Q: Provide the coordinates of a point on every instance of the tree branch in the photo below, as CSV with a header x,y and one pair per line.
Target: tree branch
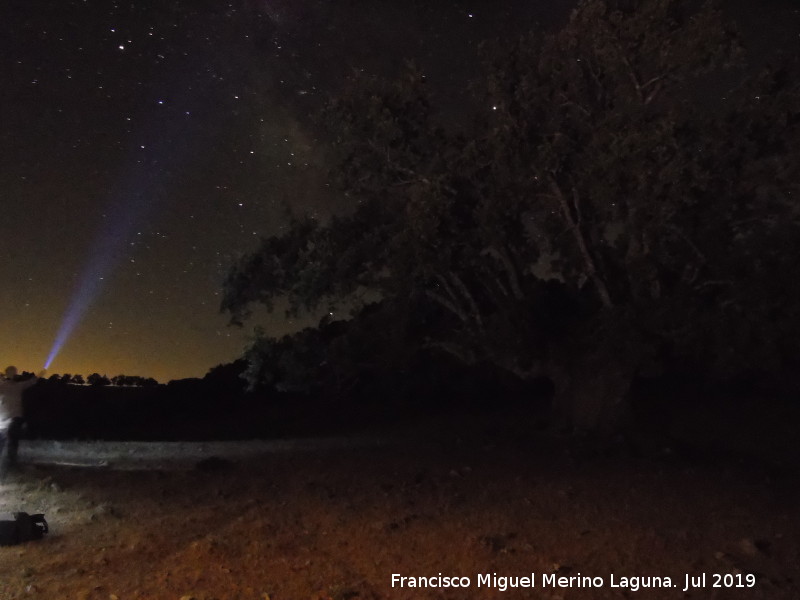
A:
x,y
476,314
589,263
634,77
449,305
465,355
511,271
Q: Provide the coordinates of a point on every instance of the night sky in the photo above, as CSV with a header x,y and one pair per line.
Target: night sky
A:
x,y
144,145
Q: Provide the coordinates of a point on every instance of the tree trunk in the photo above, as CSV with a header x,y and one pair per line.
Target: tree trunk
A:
x,y
592,394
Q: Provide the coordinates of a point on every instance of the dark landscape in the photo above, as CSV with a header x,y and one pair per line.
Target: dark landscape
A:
x,y
502,299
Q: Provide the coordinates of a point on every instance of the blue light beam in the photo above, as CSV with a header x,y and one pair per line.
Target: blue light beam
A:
x,y
167,142
106,252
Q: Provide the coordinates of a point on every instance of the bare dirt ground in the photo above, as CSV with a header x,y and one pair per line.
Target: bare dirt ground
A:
x,y
336,518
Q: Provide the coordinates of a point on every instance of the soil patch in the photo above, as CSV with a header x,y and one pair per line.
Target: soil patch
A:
x,y
337,522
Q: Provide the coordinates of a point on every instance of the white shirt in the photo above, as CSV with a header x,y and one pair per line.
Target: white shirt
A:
x,y
11,399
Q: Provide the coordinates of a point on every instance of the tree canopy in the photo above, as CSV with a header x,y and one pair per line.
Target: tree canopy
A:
x,y
598,213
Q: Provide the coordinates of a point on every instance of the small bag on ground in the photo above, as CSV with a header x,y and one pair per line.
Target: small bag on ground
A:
x,y
19,527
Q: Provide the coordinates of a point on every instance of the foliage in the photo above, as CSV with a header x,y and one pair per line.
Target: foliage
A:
x,y
666,228
132,381
291,363
98,380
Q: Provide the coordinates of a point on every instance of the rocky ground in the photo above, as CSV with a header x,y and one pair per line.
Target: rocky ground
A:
x,y
336,519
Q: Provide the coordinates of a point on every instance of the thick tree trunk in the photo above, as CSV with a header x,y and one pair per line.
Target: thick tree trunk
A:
x,y
591,405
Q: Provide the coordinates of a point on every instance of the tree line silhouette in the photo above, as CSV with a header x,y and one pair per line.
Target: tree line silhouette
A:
x,y
99,380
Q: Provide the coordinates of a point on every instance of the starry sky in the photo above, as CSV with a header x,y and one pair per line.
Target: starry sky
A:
x,y
146,144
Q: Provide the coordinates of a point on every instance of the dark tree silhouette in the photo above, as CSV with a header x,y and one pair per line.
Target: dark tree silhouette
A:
x,y
671,226
97,380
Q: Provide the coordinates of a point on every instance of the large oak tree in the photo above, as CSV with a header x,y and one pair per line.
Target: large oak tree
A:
x,y
600,215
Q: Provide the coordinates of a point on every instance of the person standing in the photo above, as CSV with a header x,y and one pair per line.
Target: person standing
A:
x,y
11,416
